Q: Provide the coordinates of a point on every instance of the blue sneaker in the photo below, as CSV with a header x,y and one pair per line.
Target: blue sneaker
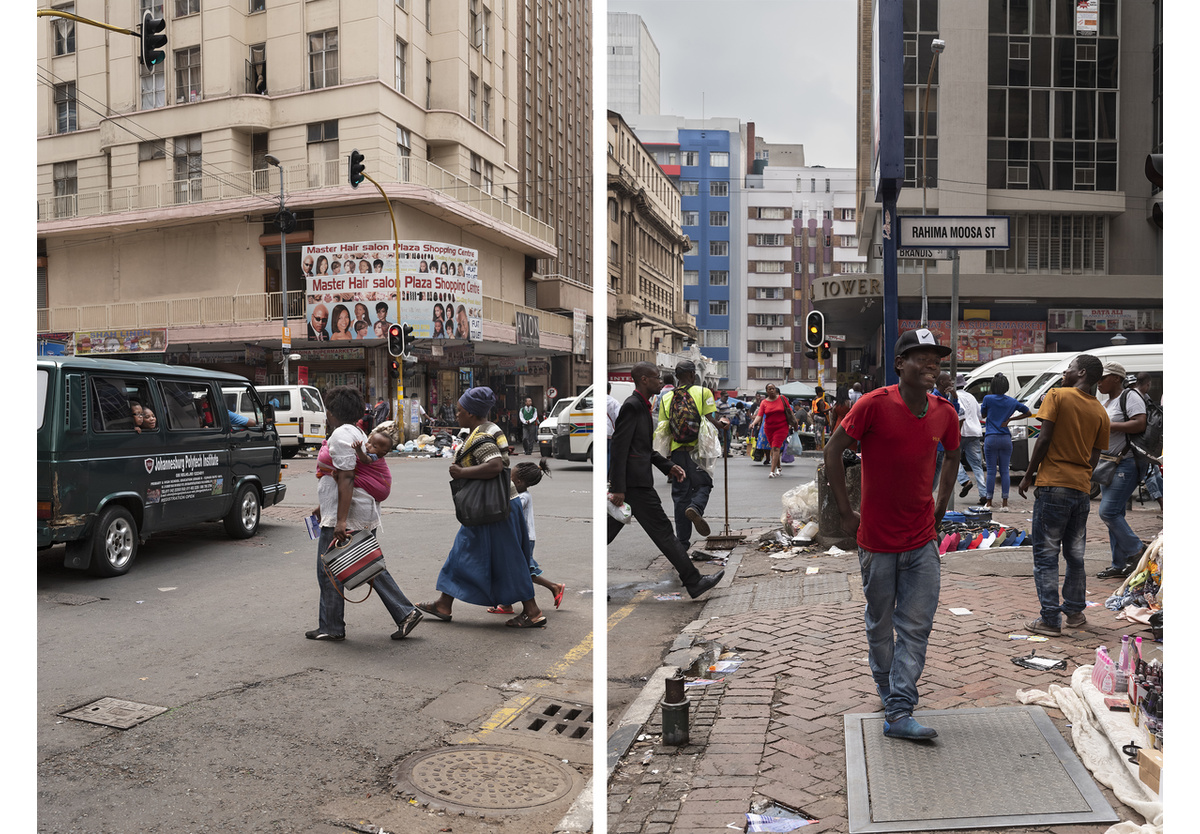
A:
x,y
907,727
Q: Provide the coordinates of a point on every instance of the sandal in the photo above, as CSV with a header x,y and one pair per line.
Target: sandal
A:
x,y
522,620
431,609
501,609
562,589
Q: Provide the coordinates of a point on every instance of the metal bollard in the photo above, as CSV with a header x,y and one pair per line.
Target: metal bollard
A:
x,y
675,713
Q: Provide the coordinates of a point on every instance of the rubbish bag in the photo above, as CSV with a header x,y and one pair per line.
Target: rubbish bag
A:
x,y
800,503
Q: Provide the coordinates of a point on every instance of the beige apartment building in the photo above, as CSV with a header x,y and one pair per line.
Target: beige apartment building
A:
x,y
646,318
158,190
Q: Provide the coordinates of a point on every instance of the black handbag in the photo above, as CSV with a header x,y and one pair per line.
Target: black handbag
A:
x,y
1105,468
481,501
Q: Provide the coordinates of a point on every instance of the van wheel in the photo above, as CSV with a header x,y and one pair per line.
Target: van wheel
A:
x,y
1095,491
589,456
290,451
242,521
114,543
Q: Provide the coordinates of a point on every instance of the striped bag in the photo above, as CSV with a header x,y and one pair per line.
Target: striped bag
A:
x,y
356,561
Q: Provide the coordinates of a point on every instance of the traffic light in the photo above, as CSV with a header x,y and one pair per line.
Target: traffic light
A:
x,y
357,169
152,41
1154,174
814,329
408,337
394,369
396,342
825,348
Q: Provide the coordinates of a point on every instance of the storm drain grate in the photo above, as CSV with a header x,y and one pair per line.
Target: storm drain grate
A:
x,y
560,718
113,712
482,779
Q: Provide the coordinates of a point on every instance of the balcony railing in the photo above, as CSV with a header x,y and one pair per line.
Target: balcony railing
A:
x,y
631,356
241,309
298,179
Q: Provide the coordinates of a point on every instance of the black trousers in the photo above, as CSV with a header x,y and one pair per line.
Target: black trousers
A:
x,y
648,510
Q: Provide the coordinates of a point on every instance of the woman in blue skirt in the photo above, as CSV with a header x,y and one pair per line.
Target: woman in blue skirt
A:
x,y
487,564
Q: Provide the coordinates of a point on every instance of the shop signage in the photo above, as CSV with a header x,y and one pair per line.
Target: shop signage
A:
x,y
100,342
824,289
55,344
913,254
1105,320
988,232
1087,16
256,357
983,341
351,290
579,342
332,354
527,330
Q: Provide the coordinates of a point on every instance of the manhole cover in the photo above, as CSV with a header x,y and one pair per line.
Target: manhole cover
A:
x,y
479,779
113,712
549,717
71,599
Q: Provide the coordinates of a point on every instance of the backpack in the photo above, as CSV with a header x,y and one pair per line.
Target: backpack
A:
x,y
1150,441
683,418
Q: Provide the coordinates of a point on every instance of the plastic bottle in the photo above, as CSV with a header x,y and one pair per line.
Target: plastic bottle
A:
x,y
1124,663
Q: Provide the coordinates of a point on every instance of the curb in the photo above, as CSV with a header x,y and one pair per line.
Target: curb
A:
x,y
578,819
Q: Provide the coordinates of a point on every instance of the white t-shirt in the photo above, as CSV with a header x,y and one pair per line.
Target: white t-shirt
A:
x,y
1134,405
971,426
364,510
527,512
614,409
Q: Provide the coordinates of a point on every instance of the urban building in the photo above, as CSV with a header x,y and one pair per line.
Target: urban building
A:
x,y
633,67
646,318
159,187
1043,113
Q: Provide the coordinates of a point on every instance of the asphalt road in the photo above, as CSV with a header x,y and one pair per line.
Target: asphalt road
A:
x,y
642,626
267,731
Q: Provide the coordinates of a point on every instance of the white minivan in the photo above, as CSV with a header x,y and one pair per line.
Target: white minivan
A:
x,y
299,415
1135,359
1020,368
548,428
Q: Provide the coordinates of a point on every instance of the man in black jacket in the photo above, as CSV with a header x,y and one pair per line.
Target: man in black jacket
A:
x,y
631,479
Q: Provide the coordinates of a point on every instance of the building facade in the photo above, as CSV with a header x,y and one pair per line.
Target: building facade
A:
x,y
633,67
159,188
646,318
1050,111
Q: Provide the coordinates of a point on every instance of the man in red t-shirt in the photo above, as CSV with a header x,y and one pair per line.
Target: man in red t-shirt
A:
x,y
899,427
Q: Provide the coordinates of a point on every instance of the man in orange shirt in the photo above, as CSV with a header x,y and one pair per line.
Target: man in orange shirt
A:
x,y
1074,433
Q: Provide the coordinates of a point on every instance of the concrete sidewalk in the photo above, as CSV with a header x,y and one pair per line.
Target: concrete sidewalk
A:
x,y
773,729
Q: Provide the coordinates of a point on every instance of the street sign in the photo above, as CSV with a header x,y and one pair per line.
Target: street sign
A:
x,y
913,254
552,393
287,338
988,232
830,337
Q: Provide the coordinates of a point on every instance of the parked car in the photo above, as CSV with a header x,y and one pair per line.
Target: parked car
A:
x,y
108,478
299,414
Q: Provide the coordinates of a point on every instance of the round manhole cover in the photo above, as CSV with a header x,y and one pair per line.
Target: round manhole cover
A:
x,y
481,780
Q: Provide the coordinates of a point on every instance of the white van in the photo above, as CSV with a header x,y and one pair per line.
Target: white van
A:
x,y
299,415
1020,368
1135,359
576,426
548,428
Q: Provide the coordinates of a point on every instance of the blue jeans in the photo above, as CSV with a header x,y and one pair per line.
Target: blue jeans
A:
x,y
997,450
331,612
1123,542
902,596
972,454
1059,523
692,491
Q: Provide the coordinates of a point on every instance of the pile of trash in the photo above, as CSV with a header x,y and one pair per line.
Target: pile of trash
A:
x,y
800,512
443,444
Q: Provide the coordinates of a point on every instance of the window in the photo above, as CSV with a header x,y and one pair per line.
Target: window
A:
x,y
1054,244
151,150
187,168
850,267
718,277
323,59
714,338
64,107
154,87
849,241
428,15
487,108
489,175
691,218
846,214
772,213
692,307
323,163
487,33
187,75
183,8
693,247
428,84
689,188
115,401
66,186
403,152
474,24
718,159
770,320
769,240
614,251
473,97
155,7
691,158
718,188
718,308
769,293
64,31
256,70
691,277
189,405
764,346
401,66
770,266
718,218
258,6
718,247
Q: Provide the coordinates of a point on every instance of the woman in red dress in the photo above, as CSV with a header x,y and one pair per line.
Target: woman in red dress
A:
x,y
776,415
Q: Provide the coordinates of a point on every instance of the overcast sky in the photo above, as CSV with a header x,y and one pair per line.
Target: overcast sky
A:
x,y
721,49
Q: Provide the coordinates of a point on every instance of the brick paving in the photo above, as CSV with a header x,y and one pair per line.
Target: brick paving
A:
x,y
773,729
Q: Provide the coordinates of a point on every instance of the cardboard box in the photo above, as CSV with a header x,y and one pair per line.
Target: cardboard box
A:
x,y
1150,768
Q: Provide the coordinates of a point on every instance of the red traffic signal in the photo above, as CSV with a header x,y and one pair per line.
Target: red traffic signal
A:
x,y
395,340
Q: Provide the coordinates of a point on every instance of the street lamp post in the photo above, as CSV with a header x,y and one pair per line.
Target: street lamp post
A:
x,y
284,221
938,46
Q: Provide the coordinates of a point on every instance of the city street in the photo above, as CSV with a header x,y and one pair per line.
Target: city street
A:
x,y
268,731
643,627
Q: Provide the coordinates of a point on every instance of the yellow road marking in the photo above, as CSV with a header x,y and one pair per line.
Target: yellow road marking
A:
x,y
625,611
